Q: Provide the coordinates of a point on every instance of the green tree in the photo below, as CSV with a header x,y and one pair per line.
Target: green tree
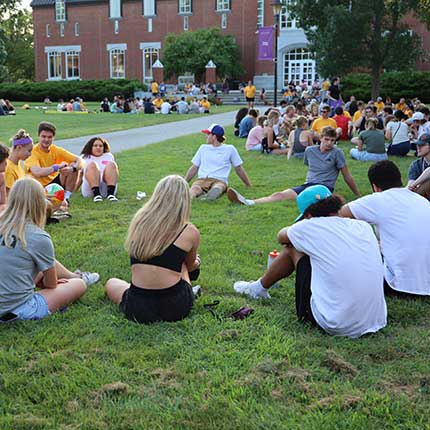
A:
x,y
191,51
372,34
7,7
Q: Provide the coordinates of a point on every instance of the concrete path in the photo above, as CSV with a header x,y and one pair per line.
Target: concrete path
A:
x,y
137,137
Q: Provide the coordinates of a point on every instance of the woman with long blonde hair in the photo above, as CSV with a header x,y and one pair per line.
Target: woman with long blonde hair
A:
x,y
27,258
269,142
162,245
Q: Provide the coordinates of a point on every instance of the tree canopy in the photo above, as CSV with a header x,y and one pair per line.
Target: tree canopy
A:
x,y
191,51
370,34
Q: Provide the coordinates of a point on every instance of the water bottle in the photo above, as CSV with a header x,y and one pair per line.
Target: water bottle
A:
x,y
272,255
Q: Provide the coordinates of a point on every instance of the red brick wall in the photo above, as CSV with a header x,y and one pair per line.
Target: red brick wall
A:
x,y
96,31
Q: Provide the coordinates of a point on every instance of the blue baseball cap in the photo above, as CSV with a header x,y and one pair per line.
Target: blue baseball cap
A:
x,y
214,129
309,196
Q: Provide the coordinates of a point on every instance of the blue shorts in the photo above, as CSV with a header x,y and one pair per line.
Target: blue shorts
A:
x,y
303,187
35,308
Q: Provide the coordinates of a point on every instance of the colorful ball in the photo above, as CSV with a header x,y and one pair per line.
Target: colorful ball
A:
x,y
55,194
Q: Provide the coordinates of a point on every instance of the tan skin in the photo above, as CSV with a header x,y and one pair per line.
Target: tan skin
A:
x,y
306,138
3,193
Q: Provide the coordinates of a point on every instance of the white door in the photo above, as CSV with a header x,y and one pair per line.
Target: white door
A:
x,y
300,69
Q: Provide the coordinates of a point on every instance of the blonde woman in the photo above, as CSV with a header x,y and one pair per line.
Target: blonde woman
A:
x,y
269,142
300,138
162,245
27,259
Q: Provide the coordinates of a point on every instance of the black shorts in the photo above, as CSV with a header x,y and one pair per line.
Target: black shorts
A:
x,y
303,187
250,99
303,290
56,180
148,306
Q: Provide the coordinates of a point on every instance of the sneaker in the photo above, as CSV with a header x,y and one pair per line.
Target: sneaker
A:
x,y
98,198
112,198
197,291
252,289
214,193
236,197
89,278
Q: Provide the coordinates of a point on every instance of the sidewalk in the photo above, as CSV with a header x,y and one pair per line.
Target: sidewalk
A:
x,y
138,137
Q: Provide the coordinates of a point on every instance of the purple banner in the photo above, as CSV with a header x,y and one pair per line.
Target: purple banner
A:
x,y
265,44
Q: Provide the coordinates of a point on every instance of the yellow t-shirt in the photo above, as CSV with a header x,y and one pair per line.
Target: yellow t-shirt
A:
x,y
205,104
379,106
157,103
400,106
12,173
55,155
347,114
154,88
357,116
320,123
250,91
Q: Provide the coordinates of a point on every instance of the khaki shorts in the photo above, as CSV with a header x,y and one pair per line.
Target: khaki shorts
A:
x,y
207,183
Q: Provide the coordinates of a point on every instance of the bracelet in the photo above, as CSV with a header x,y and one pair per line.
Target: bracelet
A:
x,y
55,167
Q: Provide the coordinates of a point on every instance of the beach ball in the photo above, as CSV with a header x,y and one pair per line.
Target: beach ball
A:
x,y
55,194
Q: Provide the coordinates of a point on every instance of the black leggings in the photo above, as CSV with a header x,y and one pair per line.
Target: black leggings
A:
x,y
148,306
303,290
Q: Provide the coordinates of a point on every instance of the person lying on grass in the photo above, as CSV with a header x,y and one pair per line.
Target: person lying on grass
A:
x,y
100,178
325,161
27,259
400,216
162,244
339,272
212,163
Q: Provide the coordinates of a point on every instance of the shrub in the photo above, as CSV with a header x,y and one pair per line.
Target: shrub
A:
x,y
88,90
393,84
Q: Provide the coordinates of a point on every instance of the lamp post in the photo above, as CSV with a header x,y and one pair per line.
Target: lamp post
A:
x,y
276,6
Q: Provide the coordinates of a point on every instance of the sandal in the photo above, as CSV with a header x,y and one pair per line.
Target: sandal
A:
x,y
98,198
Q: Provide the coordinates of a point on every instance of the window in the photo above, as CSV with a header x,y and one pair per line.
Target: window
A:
x,y
54,65
223,5
299,64
285,19
224,20
260,13
149,25
76,28
114,8
48,30
149,8
151,54
116,27
185,6
186,23
117,62
60,10
62,29
72,65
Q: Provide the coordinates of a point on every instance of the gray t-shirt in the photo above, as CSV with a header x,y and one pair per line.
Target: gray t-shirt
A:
x,y
373,140
20,266
323,166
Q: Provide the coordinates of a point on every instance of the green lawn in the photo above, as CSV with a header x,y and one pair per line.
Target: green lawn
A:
x,y
89,368
73,125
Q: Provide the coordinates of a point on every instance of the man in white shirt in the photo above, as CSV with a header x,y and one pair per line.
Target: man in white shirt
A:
x,y
182,106
165,108
400,216
213,163
339,272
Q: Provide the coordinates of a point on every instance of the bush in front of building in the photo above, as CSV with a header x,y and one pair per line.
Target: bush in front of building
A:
x,y
393,84
88,90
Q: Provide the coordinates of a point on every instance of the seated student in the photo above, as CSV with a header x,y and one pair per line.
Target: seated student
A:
x,y
194,106
105,105
148,107
61,106
325,161
343,123
100,179
241,113
370,143
299,139
25,251
248,123
419,172
4,154
369,112
10,107
324,121
162,244
318,248
397,133
205,105
182,106
212,163
255,136
69,105
269,142
165,108
399,214
157,102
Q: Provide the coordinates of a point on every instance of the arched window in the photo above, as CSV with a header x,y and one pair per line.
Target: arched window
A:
x,y
299,64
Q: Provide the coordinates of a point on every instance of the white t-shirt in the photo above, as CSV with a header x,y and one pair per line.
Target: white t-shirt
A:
x,y
215,161
402,218
165,108
399,132
101,161
347,274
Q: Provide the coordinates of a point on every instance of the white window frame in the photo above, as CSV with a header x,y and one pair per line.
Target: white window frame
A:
x,y
149,25
48,30
116,27
115,9
76,29
186,23
73,54
149,8
223,5
62,29
185,7
117,49
285,22
56,56
260,13
149,48
223,21
60,10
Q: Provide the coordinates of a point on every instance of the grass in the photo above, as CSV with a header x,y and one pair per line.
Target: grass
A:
x,y
73,125
89,368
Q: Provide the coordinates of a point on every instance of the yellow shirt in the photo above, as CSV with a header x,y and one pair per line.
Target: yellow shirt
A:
x,y
347,114
250,91
55,155
357,116
154,88
12,173
320,123
157,103
400,106
379,106
205,104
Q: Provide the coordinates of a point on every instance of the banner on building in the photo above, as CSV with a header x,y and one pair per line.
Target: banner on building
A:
x,y
265,44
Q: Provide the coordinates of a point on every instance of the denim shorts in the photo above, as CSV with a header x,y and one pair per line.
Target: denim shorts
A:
x,y
35,308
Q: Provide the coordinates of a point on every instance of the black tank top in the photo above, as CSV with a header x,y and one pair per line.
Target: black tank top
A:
x,y
172,258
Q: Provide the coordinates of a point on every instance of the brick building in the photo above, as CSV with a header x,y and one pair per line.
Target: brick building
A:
x,y
103,39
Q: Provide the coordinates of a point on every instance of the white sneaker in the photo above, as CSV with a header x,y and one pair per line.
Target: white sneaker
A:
x,y
252,289
89,278
236,197
197,291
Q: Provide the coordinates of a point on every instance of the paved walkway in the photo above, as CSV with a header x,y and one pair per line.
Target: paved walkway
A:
x,y
138,137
